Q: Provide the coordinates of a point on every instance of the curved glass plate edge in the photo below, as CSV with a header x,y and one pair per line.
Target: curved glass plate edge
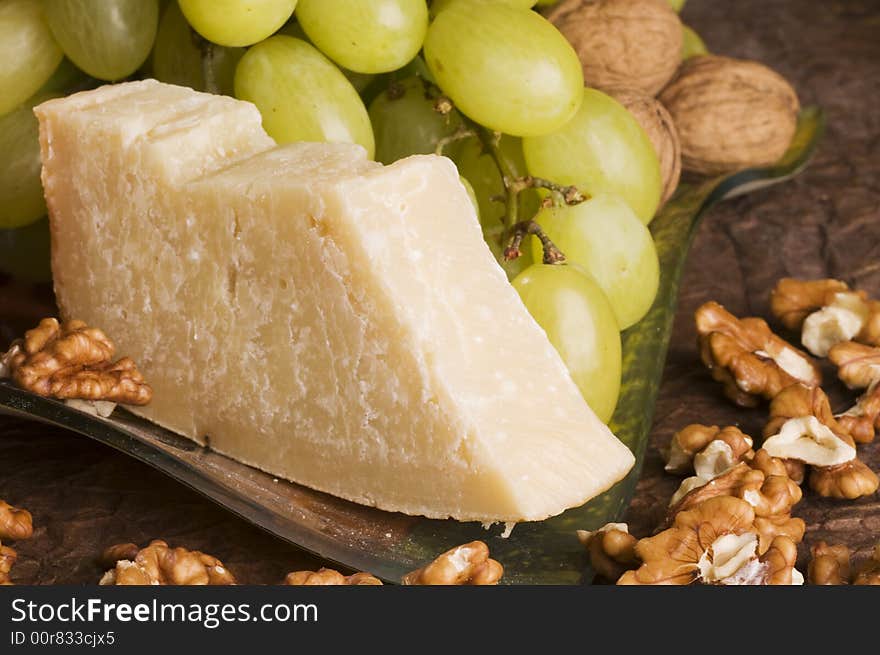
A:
x,y
119,435
537,553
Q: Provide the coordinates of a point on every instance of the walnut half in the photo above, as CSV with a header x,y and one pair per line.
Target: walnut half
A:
x,y
611,549
15,523
74,361
329,577
802,428
159,564
827,312
748,358
468,564
7,559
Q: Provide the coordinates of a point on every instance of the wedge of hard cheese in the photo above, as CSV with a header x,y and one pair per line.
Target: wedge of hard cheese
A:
x,y
317,315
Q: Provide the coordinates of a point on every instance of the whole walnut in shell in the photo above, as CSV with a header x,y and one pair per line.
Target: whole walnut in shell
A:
x,y
730,114
659,127
634,44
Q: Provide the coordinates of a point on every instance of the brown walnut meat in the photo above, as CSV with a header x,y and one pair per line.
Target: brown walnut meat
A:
x,y
748,358
792,300
15,523
7,559
858,365
713,543
116,553
329,577
772,498
869,572
830,565
845,481
72,360
611,549
827,311
658,125
730,114
802,427
468,564
159,564
692,439
634,44
862,420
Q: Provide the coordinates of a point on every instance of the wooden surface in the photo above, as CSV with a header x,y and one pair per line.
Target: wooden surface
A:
x,y
826,223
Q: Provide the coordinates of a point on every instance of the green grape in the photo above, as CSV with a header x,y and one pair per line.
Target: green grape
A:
x,y
360,81
20,188
109,39
417,67
480,169
602,149
301,94
28,52
24,252
507,68
236,23
366,36
180,56
482,172
580,324
677,4
405,123
605,238
470,191
692,45
439,5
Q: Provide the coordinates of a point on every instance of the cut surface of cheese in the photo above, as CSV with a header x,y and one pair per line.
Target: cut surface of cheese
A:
x,y
302,309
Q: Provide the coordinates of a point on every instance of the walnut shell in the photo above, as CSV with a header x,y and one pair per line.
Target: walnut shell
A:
x,y
660,128
634,44
730,114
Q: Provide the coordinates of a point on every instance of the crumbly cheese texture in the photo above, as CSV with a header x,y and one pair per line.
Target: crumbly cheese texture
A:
x,y
312,313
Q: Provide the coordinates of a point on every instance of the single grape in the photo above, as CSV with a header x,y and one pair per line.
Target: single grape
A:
x,y
439,5
677,5
301,94
28,52
20,188
236,23
692,45
605,238
366,36
479,168
507,68
416,67
109,39
580,324
359,81
602,149
470,191
180,56
405,123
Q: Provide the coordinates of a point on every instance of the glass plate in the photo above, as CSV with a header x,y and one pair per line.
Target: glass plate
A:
x,y
389,544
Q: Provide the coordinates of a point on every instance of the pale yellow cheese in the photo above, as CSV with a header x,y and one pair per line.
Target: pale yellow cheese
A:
x,y
320,316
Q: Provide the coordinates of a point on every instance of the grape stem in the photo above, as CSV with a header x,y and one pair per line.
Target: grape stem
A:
x,y
552,254
515,230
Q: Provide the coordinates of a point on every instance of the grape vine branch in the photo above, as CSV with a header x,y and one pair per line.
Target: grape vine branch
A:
x,y
515,230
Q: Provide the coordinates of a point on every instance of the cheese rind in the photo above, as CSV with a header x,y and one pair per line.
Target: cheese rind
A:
x,y
320,316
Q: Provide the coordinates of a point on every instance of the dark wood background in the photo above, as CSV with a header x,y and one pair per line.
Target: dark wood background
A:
x,y
825,223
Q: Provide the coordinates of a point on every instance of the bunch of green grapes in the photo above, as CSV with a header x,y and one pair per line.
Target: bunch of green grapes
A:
x,y
489,83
